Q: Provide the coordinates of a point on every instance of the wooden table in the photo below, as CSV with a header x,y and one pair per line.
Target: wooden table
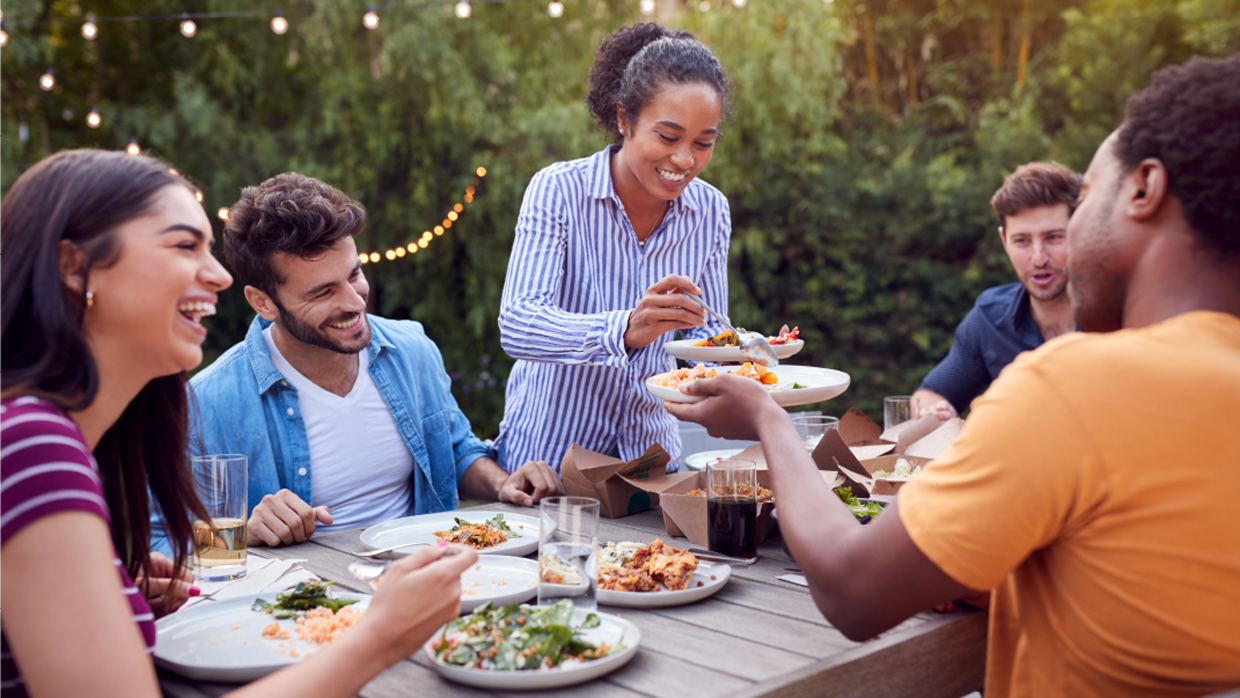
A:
x,y
758,636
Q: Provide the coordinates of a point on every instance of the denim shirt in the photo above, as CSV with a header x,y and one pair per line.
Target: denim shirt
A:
x,y
242,404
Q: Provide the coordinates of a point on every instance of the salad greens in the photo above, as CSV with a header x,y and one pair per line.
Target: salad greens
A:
x,y
496,522
864,512
518,637
305,596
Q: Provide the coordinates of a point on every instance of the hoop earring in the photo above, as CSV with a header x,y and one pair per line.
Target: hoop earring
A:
x,y
90,299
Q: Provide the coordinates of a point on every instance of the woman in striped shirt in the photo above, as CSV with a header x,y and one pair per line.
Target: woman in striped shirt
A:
x,y
106,275
604,247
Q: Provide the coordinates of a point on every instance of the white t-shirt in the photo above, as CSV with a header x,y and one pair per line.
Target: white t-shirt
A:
x,y
362,468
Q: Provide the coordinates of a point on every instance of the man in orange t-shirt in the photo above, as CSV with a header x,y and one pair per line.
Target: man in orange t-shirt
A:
x,y
1096,486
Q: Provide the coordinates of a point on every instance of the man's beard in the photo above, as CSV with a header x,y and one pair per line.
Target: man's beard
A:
x,y
1047,295
306,333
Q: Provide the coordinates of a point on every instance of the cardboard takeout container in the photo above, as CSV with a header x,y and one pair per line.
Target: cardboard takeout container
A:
x,y
686,514
621,488
857,448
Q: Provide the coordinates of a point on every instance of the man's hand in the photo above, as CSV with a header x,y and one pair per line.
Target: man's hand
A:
x,y
929,402
168,587
283,519
530,483
731,409
941,409
662,310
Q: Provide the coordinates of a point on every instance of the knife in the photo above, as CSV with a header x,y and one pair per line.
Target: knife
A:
x,y
709,556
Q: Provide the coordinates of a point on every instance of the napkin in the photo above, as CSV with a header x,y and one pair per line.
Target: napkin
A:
x,y
262,575
795,579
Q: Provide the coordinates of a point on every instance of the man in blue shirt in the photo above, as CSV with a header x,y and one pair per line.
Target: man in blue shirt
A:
x,y
347,419
1034,205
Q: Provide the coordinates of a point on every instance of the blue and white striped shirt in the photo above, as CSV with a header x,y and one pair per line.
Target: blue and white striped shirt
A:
x,y
575,275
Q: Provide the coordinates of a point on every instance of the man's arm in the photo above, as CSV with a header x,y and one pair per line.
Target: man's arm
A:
x,y
524,487
962,375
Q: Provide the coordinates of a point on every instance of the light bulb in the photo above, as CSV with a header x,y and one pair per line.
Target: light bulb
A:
x,y
198,195
482,171
188,28
462,9
370,20
704,6
374,256
133,148
279,25
452,215
647,7
48,80
423,244
458,208
438,230
361,257
93,119
556,8
90,30
412,247
4,36
222,213
390,254
400,252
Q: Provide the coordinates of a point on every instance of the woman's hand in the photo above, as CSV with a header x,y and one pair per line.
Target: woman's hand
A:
x,y
169,587
662,310
733,407
418,594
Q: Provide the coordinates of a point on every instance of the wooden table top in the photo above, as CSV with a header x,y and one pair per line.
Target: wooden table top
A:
x,y
758,636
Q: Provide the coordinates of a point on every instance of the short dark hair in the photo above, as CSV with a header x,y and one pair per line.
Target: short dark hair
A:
x,y
1036,184
635,62
289,213
1189,119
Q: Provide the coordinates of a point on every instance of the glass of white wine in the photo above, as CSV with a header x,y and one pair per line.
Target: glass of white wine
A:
x,y
219,544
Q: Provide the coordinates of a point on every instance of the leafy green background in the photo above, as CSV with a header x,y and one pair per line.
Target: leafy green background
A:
x,y
865,140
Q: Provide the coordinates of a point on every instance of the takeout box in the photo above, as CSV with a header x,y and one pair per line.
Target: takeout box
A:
x,y
857,448
686,514
621,488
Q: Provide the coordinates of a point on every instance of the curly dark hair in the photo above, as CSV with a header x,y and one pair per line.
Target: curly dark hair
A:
x,y
289,213
1189,119
633,64
1036,184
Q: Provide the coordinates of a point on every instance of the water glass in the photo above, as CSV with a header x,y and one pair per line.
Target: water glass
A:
x,y
812,427
219,544
897,409
568,539
732,508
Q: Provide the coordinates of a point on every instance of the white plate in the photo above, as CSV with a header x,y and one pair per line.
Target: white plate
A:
x,y
610,630
223,641
499,579
822,384
701,459
684,349
421,529
663,597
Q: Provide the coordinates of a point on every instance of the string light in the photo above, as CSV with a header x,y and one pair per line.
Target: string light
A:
x,y
400,252
427,235
462,9
4,36
198,195
361,257
482,171
188,28
370,20
93,119
222,213
48,80
447,224
647,7
556,8
90,30
133,148
458,208
423,244
469,198
412,247
374,256
279,25
390,254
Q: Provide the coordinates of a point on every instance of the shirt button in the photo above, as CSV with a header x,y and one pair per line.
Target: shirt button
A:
x,y
284,383
302,472
290,411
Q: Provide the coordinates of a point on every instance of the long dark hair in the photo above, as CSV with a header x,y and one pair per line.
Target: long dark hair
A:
x,y
81,196
635,62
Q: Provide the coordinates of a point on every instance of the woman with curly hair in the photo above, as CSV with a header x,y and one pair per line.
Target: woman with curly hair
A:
x,y
107,275
604,248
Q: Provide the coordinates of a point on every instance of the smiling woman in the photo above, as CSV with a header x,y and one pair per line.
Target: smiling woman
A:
x,y
606,245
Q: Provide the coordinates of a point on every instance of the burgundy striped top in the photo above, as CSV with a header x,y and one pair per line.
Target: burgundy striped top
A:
x,y
46,467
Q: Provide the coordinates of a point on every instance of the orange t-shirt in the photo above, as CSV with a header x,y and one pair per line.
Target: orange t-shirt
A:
x,y
1096,489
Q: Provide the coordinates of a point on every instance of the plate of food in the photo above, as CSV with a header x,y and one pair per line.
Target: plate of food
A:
x,y
500,580
489,532
725,347
241,640
531,647
788,385
655,575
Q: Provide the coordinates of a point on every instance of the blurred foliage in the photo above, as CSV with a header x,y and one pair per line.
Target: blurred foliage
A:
x,y
864,143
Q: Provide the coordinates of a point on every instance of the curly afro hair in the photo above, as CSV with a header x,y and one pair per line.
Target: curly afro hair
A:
x,y
1189,119
635,62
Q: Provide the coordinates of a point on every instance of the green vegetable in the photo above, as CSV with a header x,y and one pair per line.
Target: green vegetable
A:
x,y
496,522
303,597
516,637
798,386
859,510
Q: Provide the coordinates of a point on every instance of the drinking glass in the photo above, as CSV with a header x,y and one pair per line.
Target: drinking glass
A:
x,y
897,409
219,544
732,508
567,540
812,427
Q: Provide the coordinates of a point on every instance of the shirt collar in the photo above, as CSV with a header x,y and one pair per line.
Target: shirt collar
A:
x,y
1019,310
265,371
600,186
